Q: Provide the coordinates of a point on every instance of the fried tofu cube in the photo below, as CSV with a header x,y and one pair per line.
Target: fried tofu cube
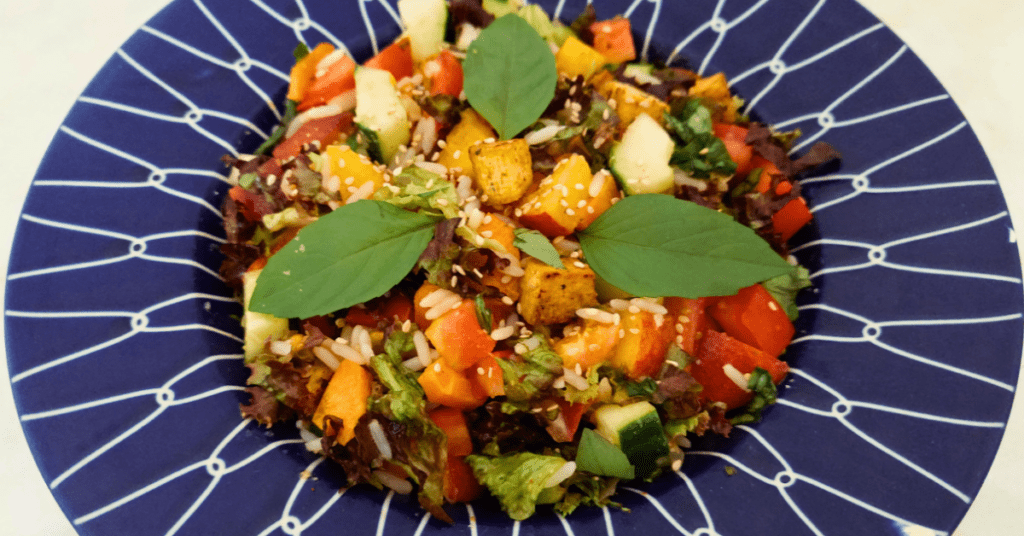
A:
x,y
549,295
503,170
631,101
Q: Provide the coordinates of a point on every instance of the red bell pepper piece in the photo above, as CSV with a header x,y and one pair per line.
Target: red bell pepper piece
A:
x,y
719,350
396,59
338,78
379,314
458,337
734,138
459,483
692,316
754,317
791,217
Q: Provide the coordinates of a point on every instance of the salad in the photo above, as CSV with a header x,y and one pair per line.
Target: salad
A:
x,y
504,256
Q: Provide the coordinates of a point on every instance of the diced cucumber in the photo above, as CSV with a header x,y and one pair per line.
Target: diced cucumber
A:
x,y
636,429
640,162
379,111
425,21
499,8
258,326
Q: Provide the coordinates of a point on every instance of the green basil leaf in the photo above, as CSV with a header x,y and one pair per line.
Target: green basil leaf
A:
x,y
349,256
290,111
510,75
599,456
483,314
656,245
536,245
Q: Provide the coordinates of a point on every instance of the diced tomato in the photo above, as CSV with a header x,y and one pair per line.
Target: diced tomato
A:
x,y
323,130
459,483
692,316
734,138
458,337
614,39
338,78
396,59
783,188
791,218
448,80
754,317
253,205
452,422
719,350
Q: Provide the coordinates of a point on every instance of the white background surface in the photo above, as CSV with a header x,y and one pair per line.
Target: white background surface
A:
x,y
50,51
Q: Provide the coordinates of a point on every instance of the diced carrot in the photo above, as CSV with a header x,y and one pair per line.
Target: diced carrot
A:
x,y
488,377
304,71
338,78
420,312
395,59
614,39
734,138
448,80
752,316
768,169
257,264
791,217
452,422
459,483
458,337
449,387
322,130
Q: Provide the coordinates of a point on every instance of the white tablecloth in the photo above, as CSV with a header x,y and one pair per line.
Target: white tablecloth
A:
x,y
52,49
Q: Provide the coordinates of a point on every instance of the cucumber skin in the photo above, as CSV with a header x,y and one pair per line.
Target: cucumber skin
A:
x,y
636,429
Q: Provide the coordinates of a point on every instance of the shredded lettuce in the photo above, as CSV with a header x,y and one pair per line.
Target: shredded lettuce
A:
x,y
516,480
527,379
422,190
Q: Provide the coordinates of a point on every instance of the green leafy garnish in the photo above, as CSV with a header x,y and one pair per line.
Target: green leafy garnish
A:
x,y
422,191
516,480
785,287
765,392
657,245
528,378
301,51
599,456
290,111
349,256
510,75
483,314
698,152
536,245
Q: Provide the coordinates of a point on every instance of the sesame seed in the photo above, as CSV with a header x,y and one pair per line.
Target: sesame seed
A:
x,y
570,212
583,202
437,367
507,300
579,264
634,331
457,154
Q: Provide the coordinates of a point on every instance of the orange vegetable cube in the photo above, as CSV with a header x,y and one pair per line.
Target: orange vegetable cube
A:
x,y
641,349
488,377
576,58
460,485
591,345
449,387
345,397
614,39
452,422
395,59
554,207
458,337
607,194
791,217
752,316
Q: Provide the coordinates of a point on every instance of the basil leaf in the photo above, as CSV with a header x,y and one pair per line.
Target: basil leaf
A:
x,y
483,314
656,245
536,245
290,111
765,394
349,256
599,456
510,75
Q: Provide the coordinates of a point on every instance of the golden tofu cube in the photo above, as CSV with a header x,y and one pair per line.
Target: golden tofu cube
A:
x,y
577,58
549,295
504,170
471,129
631,101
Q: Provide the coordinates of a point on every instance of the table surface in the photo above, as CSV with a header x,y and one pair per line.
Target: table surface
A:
x,y
974,48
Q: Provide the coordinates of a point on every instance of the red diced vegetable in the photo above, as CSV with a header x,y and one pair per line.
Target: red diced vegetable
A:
x,y
459,483
452,422
614,39
720,350
488,377
449,387
458,337
448,80
734,138
791,217
379,314
396,59
304,71
754,317
323,130
338,78
691,315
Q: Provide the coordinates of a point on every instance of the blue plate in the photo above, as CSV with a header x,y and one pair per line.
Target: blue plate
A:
x,y
124,348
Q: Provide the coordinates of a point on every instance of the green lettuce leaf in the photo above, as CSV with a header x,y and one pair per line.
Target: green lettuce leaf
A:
x,y
404,399
516,480
422,190
765,393
525,380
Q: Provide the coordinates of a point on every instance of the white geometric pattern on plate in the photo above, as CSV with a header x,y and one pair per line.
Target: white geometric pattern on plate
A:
x,y
168,394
